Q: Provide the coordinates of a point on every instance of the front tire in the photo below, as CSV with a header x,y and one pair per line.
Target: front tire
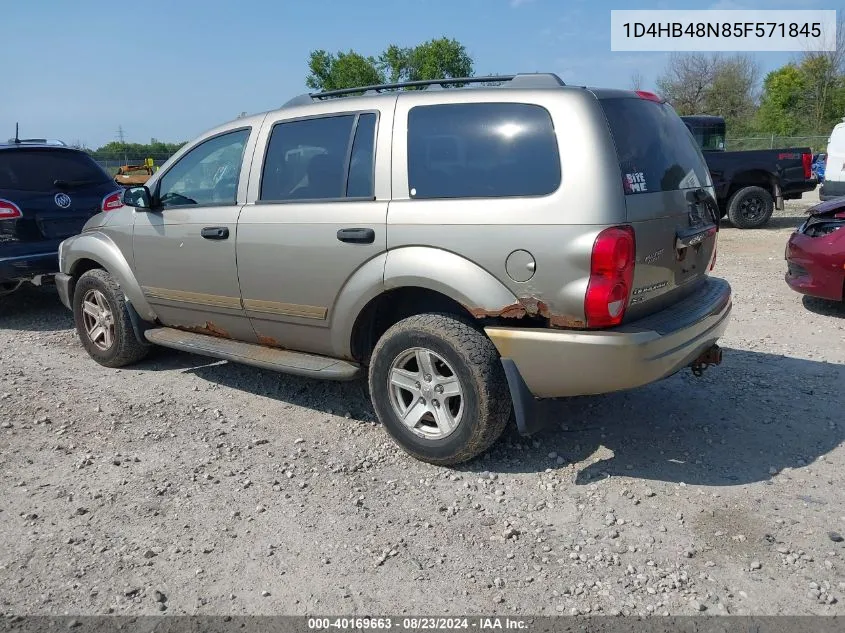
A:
x,y
438,387
750,208
103,322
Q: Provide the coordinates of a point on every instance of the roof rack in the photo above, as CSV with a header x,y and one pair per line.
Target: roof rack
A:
x,y
36,141
33,141
524,80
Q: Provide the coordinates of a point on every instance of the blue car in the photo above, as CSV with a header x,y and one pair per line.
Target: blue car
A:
x,y
819,161
48,191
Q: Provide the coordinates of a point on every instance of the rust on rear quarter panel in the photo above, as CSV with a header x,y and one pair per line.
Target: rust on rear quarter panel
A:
x,y
530,306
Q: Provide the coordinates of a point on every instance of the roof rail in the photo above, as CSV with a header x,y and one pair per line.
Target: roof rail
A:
x,y
39,141
524,80
36,141
411,84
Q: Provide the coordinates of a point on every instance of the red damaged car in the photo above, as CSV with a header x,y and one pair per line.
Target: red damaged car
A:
x,y
815,253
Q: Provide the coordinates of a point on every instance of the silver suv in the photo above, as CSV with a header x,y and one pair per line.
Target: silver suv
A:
x,y
470,250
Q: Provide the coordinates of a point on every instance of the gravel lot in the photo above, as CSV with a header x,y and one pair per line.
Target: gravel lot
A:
x,y
193,486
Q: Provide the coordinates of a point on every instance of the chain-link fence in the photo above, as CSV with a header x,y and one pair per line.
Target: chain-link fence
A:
x,y
773,141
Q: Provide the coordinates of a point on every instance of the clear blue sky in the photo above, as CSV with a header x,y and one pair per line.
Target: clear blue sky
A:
x,y
78,70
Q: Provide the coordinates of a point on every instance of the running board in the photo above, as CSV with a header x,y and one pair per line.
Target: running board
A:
x,y
280,360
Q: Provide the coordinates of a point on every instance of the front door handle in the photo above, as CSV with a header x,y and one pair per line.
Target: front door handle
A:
x,y
357,236
215,233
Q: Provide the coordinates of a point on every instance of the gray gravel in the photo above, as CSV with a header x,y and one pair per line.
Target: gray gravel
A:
x,y
196,486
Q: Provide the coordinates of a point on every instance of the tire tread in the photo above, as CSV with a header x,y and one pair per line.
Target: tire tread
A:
x,y
482,359
733,207
129,349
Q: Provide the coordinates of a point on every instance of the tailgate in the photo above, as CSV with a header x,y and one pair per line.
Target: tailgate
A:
x,y
669,199
50,216
56,190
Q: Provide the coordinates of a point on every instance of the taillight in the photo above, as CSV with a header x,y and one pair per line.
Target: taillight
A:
x,y
112,201
9,210
611,276
650,96
807,161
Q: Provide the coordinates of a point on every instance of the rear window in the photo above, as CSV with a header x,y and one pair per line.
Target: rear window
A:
x,y
36,170
655,149
481,150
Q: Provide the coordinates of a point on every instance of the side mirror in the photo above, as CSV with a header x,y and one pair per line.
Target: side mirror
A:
x,y
138,197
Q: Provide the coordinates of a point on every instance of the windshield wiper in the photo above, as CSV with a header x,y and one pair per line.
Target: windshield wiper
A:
x,y
70,184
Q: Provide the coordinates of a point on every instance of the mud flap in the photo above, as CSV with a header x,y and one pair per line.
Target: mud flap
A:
x,y
525,406
139,326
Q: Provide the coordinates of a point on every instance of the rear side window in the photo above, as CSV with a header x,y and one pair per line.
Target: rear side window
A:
x,y
481,150
39,169
655,149
326,158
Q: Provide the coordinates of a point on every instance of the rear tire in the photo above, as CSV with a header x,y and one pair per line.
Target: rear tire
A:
x,y
750,208
433,356
103,322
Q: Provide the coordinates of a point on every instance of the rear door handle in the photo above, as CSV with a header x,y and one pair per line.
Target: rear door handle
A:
x,y
694,236
215,232
357,236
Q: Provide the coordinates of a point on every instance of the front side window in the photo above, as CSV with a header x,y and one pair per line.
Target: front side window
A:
x,y
207,174
481,150
326,158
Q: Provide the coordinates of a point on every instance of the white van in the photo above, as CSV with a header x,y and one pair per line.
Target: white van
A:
x,y
834,169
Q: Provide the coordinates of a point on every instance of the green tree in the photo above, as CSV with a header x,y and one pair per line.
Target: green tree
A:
x,y
434,59
441,58
782,102
802,98
329,71
824,88
116,150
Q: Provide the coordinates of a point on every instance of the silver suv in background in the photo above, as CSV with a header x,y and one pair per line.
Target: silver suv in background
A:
x,y
470,250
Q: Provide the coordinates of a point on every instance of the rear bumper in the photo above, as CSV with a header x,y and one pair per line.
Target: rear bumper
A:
x,y
831,189
811,269
558,363
801,187
25,267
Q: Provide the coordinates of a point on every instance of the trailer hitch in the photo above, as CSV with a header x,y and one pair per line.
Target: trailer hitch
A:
x,y
711,356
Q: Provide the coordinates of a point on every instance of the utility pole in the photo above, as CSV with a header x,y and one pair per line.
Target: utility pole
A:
x,y
121,137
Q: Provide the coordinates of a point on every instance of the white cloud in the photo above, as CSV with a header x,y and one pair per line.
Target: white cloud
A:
x,y
519,3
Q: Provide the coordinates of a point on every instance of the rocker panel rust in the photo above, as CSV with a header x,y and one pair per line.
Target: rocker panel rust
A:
x,y
269,341
209,328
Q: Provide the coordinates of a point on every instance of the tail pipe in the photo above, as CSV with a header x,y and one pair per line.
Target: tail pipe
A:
x,y
711,356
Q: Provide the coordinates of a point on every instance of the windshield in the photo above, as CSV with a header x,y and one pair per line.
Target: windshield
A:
x,y
38,169
655,149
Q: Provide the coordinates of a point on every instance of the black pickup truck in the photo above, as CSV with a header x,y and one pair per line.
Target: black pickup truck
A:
x,y
751,184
